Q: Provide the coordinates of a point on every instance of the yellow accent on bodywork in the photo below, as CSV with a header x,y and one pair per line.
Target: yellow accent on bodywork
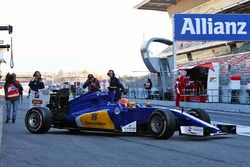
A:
x,y
98,119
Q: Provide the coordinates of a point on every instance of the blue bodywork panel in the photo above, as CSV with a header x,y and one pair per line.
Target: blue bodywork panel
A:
x,y
96,101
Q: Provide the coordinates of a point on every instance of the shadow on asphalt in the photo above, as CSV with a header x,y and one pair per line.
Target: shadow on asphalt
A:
x,y
95,133
200,138
112,134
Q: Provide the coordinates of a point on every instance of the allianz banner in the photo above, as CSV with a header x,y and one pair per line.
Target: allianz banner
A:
x,y
225,27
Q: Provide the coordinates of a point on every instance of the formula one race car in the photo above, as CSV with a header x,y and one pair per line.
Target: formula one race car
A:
x,y
98,111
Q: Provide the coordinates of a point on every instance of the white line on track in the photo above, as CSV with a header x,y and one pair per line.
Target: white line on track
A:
x,y
243,130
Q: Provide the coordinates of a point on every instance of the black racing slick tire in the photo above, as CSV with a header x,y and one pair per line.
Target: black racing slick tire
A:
x,y
38,120
162,124
201,114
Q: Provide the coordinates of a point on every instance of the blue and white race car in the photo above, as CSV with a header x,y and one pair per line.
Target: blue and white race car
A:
x,y
98,111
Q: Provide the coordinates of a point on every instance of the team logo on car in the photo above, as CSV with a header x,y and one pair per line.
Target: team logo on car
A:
x,y
117,111
94,116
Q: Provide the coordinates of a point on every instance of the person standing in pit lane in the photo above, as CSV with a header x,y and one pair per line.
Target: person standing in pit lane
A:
x,y
12,96
115,85
37,82
148,87
92,83
177,93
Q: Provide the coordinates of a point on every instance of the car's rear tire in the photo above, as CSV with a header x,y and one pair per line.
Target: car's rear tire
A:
x,y
201,114
162,124
38,120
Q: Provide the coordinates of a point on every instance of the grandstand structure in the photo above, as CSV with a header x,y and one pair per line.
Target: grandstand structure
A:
x,y
231,64
233,56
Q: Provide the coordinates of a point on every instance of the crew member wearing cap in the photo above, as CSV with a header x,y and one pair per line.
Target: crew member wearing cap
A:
x,y
92,83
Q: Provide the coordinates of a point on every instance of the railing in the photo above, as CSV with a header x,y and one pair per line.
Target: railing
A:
x,y
241,96
143,94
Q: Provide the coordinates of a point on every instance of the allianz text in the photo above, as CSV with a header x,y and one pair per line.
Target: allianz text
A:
x,y
203,26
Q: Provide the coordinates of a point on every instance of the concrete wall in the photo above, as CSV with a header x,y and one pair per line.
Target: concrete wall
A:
x,y
220,107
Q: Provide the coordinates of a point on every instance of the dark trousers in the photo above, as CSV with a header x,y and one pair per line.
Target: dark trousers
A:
x,y
148,93
177,100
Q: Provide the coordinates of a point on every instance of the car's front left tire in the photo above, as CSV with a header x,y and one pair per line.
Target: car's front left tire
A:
x,y
162,124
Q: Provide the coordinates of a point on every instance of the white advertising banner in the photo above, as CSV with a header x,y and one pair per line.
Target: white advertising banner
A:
x,y
213,83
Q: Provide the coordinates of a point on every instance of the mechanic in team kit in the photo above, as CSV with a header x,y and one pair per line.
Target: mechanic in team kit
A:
x,y
12,89
177,92
92,83
37,82
115,85
148,87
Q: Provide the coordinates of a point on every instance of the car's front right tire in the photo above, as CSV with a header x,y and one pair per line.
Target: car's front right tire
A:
x,y
201,114
38,120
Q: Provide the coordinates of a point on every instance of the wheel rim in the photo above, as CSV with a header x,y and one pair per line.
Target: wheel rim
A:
x,y
34,120
156,124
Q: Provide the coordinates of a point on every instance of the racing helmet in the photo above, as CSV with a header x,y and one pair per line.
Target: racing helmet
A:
x,y
123,101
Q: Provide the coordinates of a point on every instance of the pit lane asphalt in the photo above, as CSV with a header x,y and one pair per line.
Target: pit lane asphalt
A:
x,y
61,148
1,121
